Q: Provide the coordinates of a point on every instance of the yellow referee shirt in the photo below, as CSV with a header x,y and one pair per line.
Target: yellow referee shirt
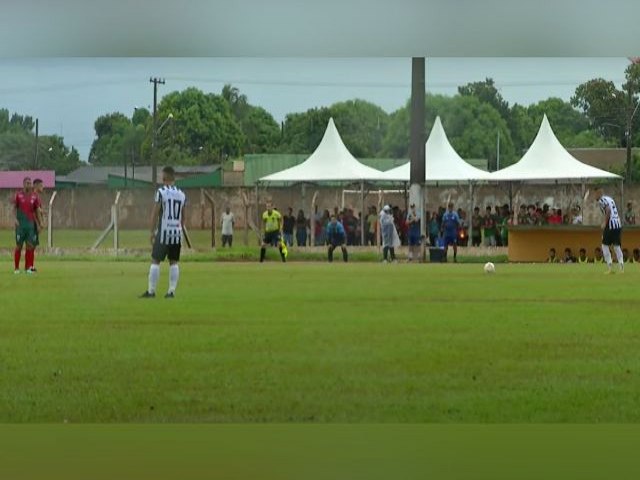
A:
x,y
271,221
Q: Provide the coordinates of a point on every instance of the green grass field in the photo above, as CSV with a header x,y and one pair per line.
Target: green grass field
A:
x,y
320,343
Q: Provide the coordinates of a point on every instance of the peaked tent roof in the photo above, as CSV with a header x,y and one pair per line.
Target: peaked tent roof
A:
x,y
331,161
442,162
547,159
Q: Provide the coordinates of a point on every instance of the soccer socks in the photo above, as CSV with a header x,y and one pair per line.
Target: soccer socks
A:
x,y
154,275
284,259
392,250
619,255
17,253
385,252
174,275
606,253
29,257
263,252
330,254
345,255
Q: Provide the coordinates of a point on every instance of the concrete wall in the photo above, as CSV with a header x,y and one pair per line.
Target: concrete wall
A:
x,y
89,207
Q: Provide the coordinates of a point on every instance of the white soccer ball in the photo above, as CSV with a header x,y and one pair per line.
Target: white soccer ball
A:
x,y
489,267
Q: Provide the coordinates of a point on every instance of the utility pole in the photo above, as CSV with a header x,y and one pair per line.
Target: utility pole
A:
x,y
154,139
417,136
35,160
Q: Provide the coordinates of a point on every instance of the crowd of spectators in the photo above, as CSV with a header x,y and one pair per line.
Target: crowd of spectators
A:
x,y
596,257
489,228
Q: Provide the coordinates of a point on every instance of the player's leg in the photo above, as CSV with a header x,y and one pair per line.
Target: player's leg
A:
x,y
330,253
30,253
455,250
17,253
280,249
173,252
345,255
385,253
606,252
158,254
263,248
616,234
29,256
230,241
619,256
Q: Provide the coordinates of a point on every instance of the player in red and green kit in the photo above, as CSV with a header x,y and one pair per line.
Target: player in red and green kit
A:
x,y
38,188
27,205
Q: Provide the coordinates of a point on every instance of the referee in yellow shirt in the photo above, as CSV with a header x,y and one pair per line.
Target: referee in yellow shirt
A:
x,y
272,221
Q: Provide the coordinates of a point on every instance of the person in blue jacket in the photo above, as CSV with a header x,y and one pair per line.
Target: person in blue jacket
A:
x,y
336,236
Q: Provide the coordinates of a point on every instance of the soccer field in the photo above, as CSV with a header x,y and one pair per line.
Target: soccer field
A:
x,y
245,342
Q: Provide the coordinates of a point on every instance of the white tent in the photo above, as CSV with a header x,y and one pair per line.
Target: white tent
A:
x,y
331,161
442,162
547,160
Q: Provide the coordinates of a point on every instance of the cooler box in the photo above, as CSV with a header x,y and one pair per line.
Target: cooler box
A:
x,y
437,255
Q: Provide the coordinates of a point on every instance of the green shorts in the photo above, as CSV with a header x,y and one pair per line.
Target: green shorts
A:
x,y
27,232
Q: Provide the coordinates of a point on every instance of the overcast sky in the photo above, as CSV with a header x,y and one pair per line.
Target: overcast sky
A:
x,y
68,94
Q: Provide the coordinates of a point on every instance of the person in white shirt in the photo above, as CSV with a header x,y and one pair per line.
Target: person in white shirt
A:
x,y
577,216
228,221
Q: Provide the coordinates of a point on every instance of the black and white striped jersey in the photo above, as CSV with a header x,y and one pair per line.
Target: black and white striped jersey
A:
x,y
614,218
172,201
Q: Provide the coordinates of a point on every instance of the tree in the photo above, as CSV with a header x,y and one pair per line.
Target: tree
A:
x,y
471,125
18,141
487,92
361,124
107,148
303,131
261,131
200,121
611,110
55,155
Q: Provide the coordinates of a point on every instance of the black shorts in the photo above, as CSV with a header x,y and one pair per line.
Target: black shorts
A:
x,y
161,251
337,242
272,238
611,236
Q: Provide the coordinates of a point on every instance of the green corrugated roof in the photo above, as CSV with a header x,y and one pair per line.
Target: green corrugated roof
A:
x,y
213,179
257,166
117,181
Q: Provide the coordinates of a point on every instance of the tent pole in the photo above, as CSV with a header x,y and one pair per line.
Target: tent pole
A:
x,y
362,215
257,205
470,215
621,194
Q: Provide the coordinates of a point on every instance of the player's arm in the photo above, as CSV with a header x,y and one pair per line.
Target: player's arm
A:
x,y
154,220
607,216
40,218
15,204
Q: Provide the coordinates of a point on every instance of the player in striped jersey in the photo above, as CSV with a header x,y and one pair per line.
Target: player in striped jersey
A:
x,y
612,230
167,223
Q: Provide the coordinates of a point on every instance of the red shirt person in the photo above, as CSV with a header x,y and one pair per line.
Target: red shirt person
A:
x,y
27,207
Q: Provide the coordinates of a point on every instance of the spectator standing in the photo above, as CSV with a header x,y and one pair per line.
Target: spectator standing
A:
x,y
489,225
390,237
413,220
476,223
372,223
629,216
301,229
450,225
434,229
228,222
288,224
